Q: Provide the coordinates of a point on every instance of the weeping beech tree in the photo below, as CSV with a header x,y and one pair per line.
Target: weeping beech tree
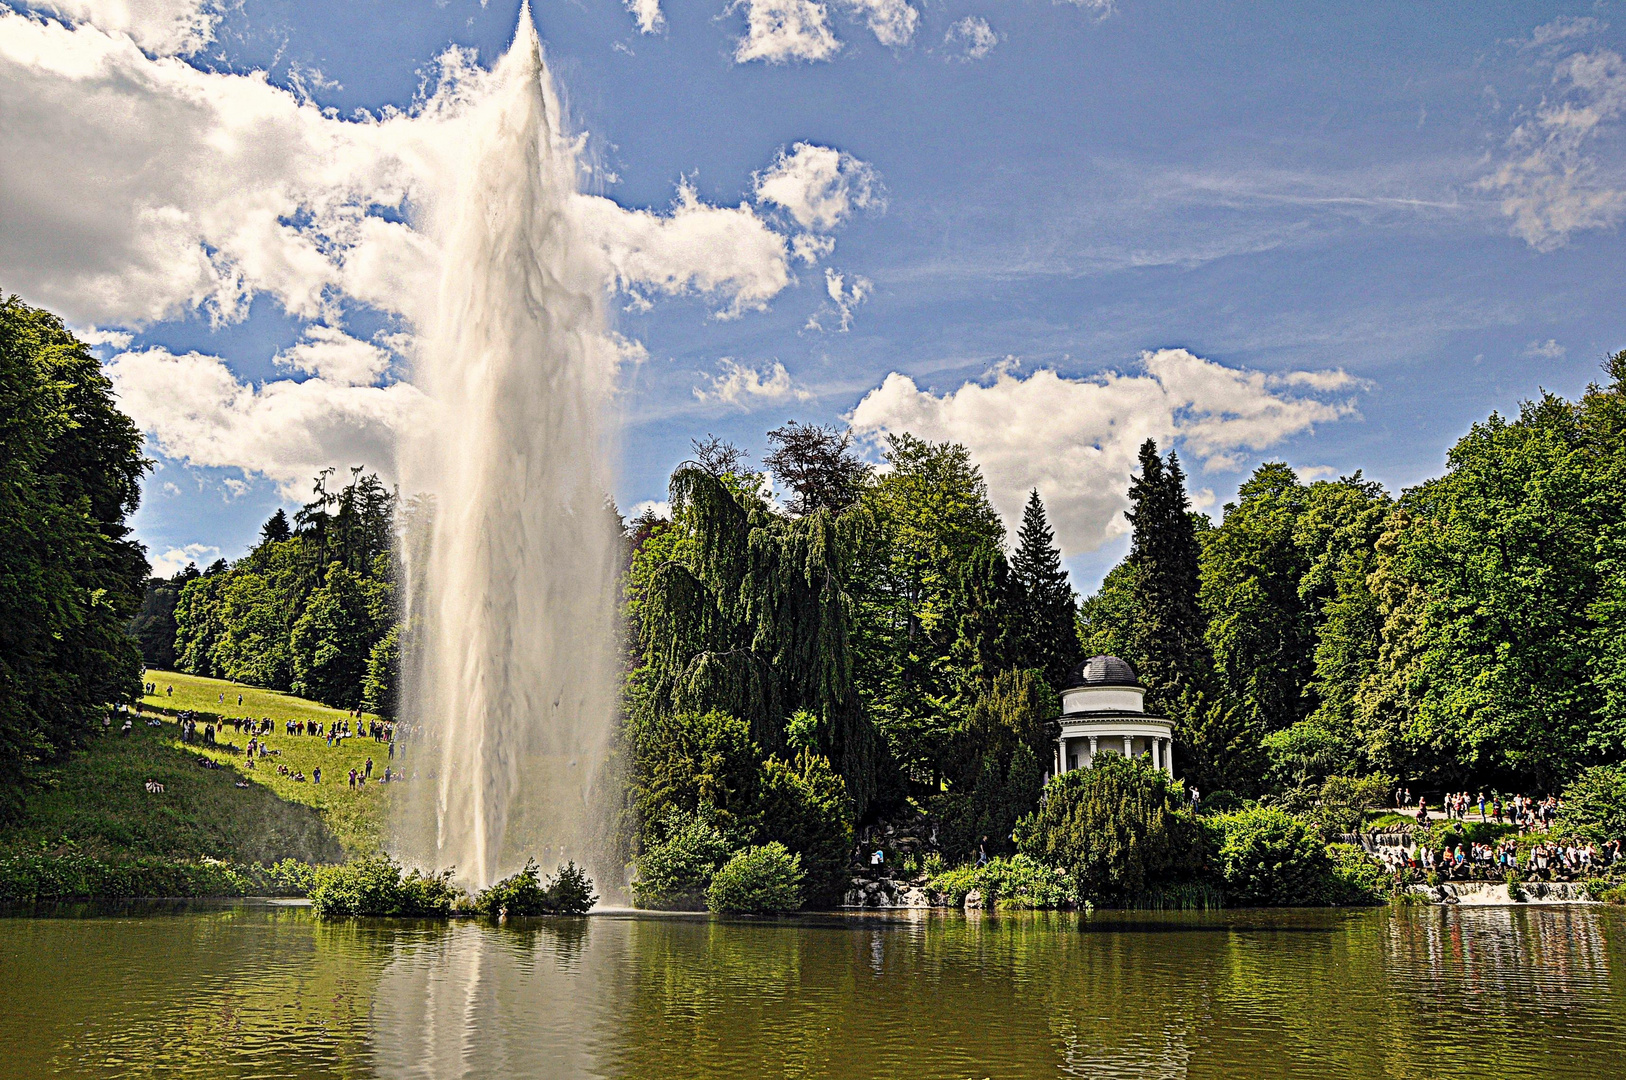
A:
x,y
755,620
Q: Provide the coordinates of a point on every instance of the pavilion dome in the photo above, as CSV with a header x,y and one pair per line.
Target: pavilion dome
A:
x,y
1105,671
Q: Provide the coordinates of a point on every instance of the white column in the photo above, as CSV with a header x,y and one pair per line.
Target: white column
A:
x,y
1128,745
1168,758
1157,745
1093,739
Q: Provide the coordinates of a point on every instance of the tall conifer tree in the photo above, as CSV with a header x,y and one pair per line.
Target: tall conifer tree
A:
x,y
1049,617
1168,630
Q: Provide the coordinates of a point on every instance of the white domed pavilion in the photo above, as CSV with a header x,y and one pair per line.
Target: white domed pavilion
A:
x,y
1104,712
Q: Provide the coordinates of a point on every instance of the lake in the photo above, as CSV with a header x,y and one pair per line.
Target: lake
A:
x,y
261,990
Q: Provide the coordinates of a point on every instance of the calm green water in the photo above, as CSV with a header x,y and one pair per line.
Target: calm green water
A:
x,y
258,991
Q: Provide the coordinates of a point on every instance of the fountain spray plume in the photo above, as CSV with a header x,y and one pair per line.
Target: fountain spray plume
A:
x,y
510,679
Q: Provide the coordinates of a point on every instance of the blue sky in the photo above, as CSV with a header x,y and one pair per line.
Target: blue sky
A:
x,y
1424,199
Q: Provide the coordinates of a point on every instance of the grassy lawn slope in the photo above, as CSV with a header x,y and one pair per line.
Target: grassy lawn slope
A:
x,y
98,801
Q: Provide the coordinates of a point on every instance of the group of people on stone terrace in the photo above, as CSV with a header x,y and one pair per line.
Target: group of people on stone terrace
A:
x,y
1549,860
1525,811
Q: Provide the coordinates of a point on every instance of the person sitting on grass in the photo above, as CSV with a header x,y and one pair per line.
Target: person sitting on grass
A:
x,y
125,730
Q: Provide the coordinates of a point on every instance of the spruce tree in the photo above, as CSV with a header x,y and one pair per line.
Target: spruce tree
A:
x,y
1049,615
1167,634
988,627
276,528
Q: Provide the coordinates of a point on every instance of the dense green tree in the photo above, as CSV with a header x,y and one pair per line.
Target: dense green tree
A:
x,y
803,805
381,686
756,621
1119,828
1261,629
988,606
253,646
1339,532
1049,610
1489,584
931,515
995,762
1107,616
333,638
70,576
688,762
154,623
197,621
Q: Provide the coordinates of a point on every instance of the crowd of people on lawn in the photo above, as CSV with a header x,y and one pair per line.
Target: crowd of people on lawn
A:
x,y
334,733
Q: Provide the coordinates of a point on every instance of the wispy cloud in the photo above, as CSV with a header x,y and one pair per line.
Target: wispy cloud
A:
x,y
1561,173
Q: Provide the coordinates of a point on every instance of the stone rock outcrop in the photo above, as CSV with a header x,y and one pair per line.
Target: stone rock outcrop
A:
x,y
1477,893
881,893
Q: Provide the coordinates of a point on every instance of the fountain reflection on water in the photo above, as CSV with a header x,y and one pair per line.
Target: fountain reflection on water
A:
x,y
511,688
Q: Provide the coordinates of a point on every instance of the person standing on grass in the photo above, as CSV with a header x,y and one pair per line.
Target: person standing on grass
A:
x,y
368,775
316,775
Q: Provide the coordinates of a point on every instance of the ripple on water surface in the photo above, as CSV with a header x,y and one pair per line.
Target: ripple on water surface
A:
x,y
257,991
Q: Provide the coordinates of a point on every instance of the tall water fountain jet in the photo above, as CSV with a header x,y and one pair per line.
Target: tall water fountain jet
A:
x,y
509,681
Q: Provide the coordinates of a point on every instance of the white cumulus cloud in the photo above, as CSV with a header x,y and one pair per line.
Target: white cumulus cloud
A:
x,y
648,15
747,386
972,38
778,31
197,411
335,356
819,186
1545,350
162,27
713,249
206,189
1076,440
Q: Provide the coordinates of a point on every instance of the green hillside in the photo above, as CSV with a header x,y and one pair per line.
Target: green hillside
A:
x,y
98,800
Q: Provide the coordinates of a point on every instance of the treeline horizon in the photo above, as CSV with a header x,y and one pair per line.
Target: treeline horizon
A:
x,y
882,629
1459,633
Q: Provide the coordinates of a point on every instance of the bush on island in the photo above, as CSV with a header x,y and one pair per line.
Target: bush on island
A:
x,y
1017,882
1268,857
1594,805
66,872
376,886
673,872
524,894
761,880
1119,828
803,805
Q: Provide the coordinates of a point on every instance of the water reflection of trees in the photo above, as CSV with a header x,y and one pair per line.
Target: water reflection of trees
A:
x,y
1495,992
